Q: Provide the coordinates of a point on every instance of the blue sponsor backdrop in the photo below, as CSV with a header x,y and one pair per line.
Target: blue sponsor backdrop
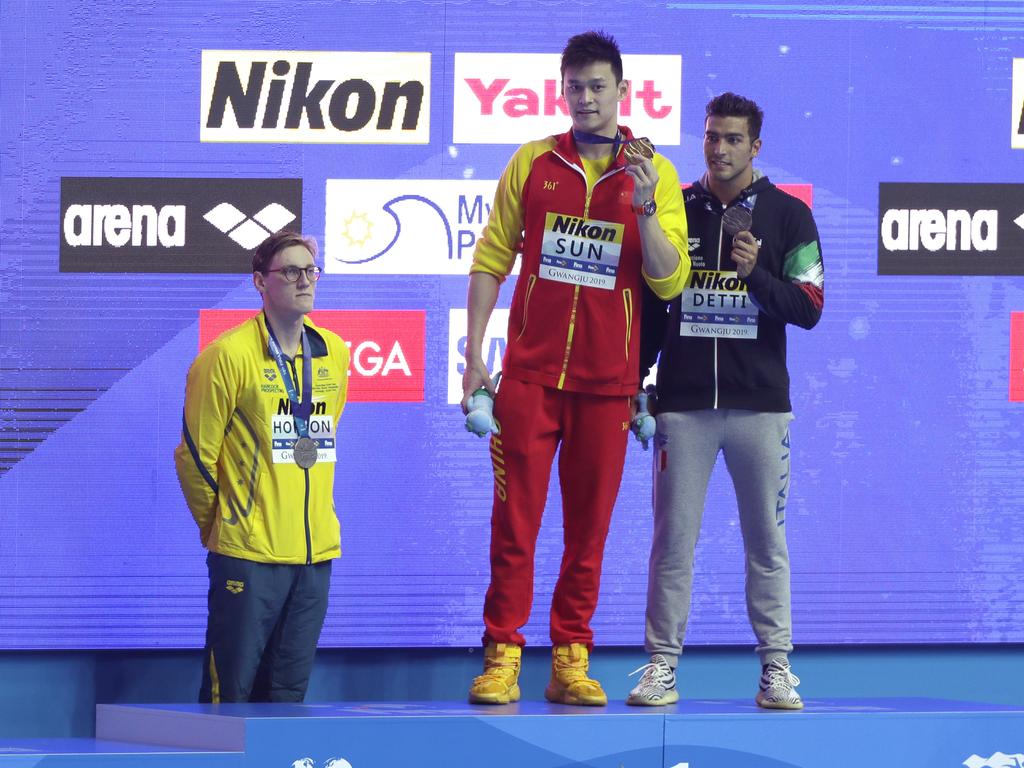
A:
x,y
905,517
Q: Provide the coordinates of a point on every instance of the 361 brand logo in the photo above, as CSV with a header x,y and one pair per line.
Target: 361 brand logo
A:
x,y
951,229
322,97
171,225
387,348
509,98
1017,112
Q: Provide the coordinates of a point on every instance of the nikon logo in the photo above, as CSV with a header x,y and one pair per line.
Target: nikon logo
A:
x,y
315,97
912,230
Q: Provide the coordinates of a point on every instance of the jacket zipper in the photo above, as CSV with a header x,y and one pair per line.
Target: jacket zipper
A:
x,y
721,231
576,289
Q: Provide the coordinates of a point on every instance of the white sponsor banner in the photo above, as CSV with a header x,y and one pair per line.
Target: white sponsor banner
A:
x,y
512,98
315,97
493,347
1017,116
283,434
405,227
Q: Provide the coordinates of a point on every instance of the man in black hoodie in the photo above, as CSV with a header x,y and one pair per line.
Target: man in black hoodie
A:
x,y
723,386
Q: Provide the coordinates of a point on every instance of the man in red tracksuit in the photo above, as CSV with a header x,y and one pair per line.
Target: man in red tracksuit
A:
x,y
591,228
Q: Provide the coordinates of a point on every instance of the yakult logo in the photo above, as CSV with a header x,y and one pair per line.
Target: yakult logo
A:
x,y
386,348
404,227
510,98
323,97
493,347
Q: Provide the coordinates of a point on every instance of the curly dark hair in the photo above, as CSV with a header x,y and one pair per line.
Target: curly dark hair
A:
x,y
730,104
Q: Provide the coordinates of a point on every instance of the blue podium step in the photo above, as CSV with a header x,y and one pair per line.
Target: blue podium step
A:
x,y
99,753
909,733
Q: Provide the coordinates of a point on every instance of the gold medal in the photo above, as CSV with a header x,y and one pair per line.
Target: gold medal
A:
x,y
637,150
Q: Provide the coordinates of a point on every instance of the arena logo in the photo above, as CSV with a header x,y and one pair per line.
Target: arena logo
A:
x,y
171,225
404,227
912,229
951,229
511,98
387,348
326,97
1017,109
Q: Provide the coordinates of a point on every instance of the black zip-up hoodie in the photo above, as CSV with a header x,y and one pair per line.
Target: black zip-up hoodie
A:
x,y
696,372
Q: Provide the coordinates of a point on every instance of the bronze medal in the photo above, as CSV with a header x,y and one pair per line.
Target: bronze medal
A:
x,y
737,219
304,452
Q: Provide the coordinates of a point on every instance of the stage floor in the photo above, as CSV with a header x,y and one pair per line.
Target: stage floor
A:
x,y
692,734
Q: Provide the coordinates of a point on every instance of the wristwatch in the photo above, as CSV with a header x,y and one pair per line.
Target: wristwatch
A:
x,y
646,208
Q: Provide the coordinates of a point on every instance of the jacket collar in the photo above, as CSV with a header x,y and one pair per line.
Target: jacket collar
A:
x,y
565,147
317,345
702,189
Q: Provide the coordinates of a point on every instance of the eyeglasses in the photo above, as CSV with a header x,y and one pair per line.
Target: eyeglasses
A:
x,y
291,274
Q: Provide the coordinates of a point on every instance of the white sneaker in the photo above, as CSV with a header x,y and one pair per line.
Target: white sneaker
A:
x,y
657,686
777,687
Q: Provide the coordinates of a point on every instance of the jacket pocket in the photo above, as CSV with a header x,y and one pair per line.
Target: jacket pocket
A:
x,y
526,305
627,303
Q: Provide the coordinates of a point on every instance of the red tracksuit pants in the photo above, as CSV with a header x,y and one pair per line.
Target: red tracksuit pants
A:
x,y
592,430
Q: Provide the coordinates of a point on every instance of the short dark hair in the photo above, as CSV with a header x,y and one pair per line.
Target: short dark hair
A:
x,y
277,242
590,47
730,104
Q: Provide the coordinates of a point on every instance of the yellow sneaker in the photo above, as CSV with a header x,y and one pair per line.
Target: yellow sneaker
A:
x,y
569,682
499,684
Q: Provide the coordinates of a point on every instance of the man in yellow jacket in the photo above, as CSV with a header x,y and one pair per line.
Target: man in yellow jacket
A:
x,y
256,466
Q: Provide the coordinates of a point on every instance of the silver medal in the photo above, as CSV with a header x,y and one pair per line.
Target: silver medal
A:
x,y
304,452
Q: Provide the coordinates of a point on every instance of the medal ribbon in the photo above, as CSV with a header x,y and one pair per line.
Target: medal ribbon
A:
x,y
301,409
582,137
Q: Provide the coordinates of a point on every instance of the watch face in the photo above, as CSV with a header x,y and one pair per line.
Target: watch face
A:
x,y
650,207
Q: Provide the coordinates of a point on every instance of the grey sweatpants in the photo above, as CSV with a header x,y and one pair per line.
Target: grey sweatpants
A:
x,y
756,450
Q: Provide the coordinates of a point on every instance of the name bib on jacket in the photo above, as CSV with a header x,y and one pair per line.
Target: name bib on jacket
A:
x,y
716,304
321,431
581,251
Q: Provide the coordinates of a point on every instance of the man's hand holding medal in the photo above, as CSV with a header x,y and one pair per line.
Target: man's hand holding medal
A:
x,y
639,156
737,221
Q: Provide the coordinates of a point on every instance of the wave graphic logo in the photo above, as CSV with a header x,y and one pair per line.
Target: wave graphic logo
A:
x,y
998,760
403,226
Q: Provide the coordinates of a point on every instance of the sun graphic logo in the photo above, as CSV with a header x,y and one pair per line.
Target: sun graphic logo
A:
x,y
331,762
358,229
